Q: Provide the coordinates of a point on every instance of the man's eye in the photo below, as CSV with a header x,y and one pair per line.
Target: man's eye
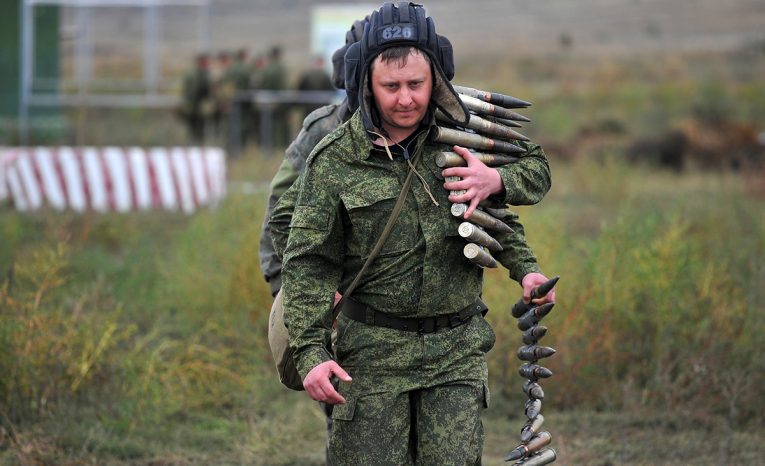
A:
x,y
391,86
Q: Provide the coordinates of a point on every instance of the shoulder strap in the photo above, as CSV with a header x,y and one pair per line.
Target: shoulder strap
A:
x,y
383,236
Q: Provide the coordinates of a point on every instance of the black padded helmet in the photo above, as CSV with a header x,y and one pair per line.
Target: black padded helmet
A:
x,y
351,37
406,24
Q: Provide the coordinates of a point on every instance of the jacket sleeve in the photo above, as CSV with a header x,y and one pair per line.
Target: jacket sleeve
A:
x,y
270,260
280,218
313,261
527,180
315,126
516,255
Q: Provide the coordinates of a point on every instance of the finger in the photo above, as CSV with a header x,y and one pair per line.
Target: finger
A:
x,y
454,185
462,172
459,198
341,374
548,298
462,151
315,392
471,208
331,395
526,295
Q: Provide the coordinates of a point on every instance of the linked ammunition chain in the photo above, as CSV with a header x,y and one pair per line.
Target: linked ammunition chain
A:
x,y
489,135
531,451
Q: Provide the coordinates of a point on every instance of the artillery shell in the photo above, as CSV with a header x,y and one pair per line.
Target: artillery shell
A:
x,y
532,408
541,290
475,234
533,390
499,213
534,315
486,127
485,108
534,372
520,308
449,159
504,121
493,129
474,141
531,428
534,352
502,100
479,256
534,334
545,456
536,443
480,217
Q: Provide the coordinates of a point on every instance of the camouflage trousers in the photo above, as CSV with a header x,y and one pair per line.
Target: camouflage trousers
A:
x,y
414,399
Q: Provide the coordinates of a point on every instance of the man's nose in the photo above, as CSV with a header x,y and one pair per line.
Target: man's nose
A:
x,y
404,97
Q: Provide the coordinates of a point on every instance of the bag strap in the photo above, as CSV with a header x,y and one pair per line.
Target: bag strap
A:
x,y
383,236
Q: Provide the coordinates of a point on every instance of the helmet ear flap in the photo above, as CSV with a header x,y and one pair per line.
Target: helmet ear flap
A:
x,y
338,67
353,65
446,56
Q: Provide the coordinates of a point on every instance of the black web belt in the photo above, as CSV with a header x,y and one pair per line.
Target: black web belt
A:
x,y
365,314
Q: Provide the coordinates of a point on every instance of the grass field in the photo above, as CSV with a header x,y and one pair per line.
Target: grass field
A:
x,y
140,339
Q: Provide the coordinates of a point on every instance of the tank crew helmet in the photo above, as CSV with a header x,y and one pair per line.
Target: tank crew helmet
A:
x,y
338,58
404,25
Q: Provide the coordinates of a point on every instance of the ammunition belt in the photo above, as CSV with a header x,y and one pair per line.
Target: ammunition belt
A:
x,y
365,314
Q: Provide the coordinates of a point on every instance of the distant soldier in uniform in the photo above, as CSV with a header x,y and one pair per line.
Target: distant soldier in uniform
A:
x,y
236,78
315,78
196,90
420,383
273,77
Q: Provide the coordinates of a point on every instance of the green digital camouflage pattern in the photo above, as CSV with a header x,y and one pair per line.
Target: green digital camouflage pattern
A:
x,y
316,125
434,385
526,182
414,399
345,199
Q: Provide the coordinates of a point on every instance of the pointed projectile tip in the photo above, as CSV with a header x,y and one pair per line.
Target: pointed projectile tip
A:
x,y
518,453
543,310
545,287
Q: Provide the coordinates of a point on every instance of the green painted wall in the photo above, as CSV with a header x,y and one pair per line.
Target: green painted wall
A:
x,y
9,58
46,66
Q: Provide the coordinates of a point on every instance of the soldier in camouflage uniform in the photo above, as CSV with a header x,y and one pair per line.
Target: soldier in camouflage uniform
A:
x,y
273,77
316,125
412,335
197,93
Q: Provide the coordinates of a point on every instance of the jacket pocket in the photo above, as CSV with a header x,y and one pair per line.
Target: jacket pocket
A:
x,y
369,205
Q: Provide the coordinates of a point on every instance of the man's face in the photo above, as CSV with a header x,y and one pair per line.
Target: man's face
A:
x,y
402,93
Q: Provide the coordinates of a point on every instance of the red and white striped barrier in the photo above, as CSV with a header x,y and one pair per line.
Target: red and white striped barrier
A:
x,y
119,179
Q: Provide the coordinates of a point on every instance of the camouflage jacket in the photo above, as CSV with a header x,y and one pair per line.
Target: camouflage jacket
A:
x,y
526,182
345,198
316,125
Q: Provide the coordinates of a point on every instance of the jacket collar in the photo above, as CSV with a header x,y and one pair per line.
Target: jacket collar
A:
x,y
362,141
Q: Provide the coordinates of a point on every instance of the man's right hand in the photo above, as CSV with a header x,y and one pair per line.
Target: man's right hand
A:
x,y
318,384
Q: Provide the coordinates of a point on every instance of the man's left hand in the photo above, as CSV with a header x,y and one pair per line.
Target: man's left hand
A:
x,y
531,281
